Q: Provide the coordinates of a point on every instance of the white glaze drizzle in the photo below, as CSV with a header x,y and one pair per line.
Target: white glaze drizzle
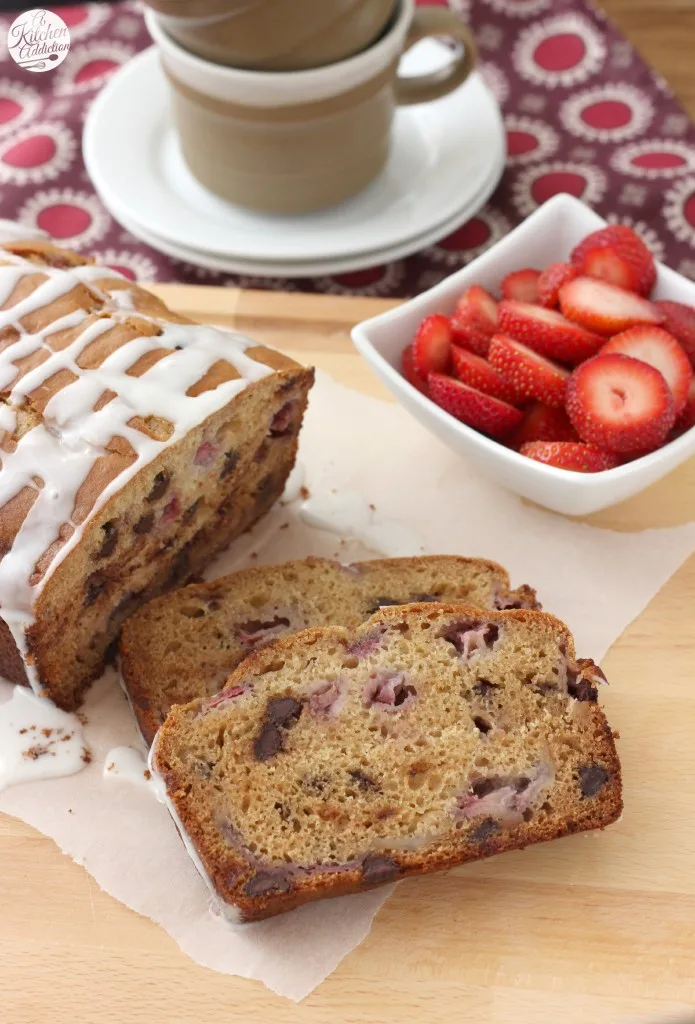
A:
x,y
38,741
349,515
64,447
11,231
126,764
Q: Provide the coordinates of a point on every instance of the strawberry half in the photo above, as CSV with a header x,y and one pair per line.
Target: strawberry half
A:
x,y
542,423
679,320
472,407
432,346
620,404
661,350
547,332
530,374
617,255
581,458
477,373
475,320
551,281
603,308
409,371
522,285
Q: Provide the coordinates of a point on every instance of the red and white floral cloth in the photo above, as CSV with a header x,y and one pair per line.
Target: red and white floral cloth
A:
x,y
584,114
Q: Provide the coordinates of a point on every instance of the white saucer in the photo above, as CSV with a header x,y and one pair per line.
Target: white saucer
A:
x,y
445,155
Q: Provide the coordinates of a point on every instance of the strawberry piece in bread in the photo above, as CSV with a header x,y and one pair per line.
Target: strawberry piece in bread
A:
x,y
409,371
530,374
620,404
580,458
618,255
661,350
432,346
474,320
679,320
478,373
521,285
472,407
551,281
547,332
605,309
542,423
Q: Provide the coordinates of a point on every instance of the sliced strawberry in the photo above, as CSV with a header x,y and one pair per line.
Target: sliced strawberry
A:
x,y
679,320
551,281
522,285
475,320
471,406
617,255
686,420
603,308
542,423
530,374
547,332
581,458
477,373
661,350
432,346
409,371
620,404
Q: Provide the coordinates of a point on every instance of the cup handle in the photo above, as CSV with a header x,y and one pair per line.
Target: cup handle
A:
x,y
436,21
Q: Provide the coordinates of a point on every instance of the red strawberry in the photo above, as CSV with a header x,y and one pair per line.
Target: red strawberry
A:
x,y
477,373
475,320
551,281
679,320
542,423
686,420
409,371
530,374
547,332
661,350
522,285
617,255
581,458
432,346
603,308
620,404
473,407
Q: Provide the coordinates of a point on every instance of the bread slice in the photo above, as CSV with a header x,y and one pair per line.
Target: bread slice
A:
x,y
184,645
429,736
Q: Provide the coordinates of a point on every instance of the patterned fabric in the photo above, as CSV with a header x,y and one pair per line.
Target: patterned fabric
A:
x,y
583,114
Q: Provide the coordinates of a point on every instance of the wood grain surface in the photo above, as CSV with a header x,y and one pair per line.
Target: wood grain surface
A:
x,y
592,928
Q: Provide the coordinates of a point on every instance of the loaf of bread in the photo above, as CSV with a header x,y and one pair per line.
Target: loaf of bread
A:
x,y
134,446
431,735
185,644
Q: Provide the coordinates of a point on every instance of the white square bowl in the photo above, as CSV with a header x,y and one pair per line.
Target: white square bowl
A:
x,y
547,236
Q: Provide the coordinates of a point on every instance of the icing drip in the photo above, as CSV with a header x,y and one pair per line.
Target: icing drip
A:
x,y
38,741
54,457
126,764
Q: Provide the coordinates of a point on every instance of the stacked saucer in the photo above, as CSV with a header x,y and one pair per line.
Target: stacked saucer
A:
x,y
446,160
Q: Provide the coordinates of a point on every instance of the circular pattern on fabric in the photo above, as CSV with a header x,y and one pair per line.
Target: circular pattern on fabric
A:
x,y
519,8
535,185
38,153
560,51
73,218
655,158
647,234
529,139
679,210
495,79
90,65
133,265
608,113
471,239
83,19
372,281
18,104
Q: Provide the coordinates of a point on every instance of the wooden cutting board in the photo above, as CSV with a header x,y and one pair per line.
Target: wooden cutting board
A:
x,y
591,928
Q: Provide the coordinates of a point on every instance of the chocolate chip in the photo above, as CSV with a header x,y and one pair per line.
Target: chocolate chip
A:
x,y
592,778
231,459
191,511
483,787
94,587
268,743
268,881
315,783
482,724
110,531
144,523
283,711
582,690
484,688
378,870
160,486
487,828
588,667
283,810
363,781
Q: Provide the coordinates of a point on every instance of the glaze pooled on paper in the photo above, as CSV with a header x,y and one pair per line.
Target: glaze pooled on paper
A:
x,y
38,741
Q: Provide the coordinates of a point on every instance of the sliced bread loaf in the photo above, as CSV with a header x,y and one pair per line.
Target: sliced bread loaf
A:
x,y
185,645
429,736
